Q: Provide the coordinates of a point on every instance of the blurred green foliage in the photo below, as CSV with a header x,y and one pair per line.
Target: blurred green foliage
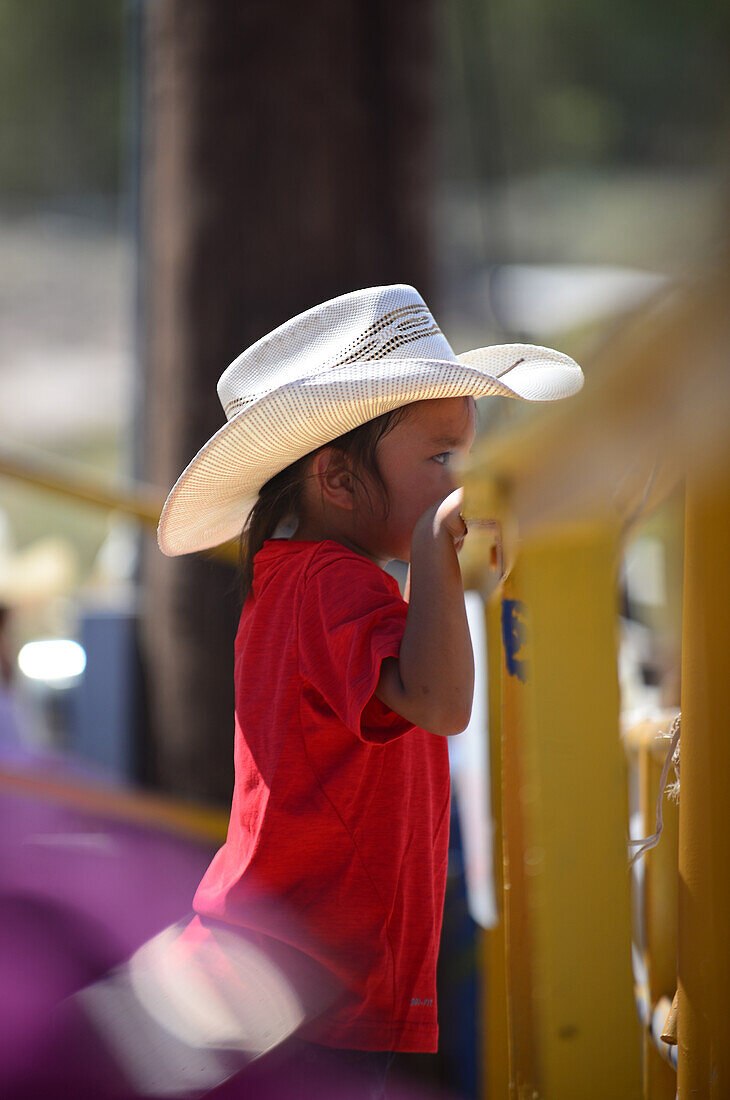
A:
x,y
582,83
525,84
62,81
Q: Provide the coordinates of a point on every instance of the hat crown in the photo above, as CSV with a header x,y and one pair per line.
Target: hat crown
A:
x,y
377,323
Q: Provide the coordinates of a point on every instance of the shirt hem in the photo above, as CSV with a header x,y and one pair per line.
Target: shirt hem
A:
x,y
407,1038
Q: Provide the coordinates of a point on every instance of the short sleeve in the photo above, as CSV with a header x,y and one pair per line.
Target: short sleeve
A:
x,y
352,617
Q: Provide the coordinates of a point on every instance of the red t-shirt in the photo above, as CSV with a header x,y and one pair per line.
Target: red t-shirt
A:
x,y
337,843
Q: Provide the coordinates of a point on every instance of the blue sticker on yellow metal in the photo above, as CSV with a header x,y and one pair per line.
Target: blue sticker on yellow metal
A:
x,y
514,637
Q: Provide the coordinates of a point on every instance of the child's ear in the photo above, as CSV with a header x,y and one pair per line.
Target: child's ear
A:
x,y
336,481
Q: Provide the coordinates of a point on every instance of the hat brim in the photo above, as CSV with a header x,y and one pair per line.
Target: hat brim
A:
x,y
211,499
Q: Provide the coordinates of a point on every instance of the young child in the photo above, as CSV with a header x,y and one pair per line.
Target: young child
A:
x,y
346,424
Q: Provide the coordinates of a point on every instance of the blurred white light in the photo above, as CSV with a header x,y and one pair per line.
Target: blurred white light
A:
x,y
54,661
546,299
645,571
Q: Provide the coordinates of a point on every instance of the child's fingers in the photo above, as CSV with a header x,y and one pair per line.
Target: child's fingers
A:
x,y
448,515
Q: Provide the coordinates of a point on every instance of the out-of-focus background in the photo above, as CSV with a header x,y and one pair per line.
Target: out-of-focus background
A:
x,y
176,179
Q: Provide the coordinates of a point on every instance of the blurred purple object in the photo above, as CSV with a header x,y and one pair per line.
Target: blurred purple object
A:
x,y
79,892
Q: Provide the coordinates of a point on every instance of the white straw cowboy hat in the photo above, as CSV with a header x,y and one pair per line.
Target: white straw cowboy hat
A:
x,y
323,373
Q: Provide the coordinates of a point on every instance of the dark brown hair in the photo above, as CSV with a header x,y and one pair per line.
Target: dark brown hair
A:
x,y
281,496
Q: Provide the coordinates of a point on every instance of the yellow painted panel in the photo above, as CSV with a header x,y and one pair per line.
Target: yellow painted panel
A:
x,y
573,800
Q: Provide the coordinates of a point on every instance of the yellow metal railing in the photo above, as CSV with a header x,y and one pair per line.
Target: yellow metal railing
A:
x,y
560,1011
116,803
65,478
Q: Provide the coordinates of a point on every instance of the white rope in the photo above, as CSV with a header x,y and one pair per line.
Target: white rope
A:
x,y
650,842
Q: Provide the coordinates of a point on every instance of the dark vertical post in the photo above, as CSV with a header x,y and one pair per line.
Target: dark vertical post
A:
x,y
288,159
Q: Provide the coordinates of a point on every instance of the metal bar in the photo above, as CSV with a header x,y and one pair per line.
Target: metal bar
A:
x,y
66,478
561,707
524,1070
63,477
661,888
661,875
495,1065
704,813
206,823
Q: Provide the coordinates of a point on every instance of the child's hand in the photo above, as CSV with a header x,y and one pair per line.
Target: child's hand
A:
x,y
447,516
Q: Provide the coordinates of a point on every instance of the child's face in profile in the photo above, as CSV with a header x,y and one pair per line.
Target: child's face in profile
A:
x,y
417,459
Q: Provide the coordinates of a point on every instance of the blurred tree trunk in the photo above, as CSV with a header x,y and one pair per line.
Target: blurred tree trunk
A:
x,y
288,158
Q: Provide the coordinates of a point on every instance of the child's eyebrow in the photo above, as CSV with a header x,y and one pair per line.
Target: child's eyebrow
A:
x,y
447,441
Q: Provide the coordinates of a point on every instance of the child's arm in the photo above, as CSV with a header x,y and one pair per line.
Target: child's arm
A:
x,y
431,682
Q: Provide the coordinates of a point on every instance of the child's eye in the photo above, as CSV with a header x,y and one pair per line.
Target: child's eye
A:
x,y
443,458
